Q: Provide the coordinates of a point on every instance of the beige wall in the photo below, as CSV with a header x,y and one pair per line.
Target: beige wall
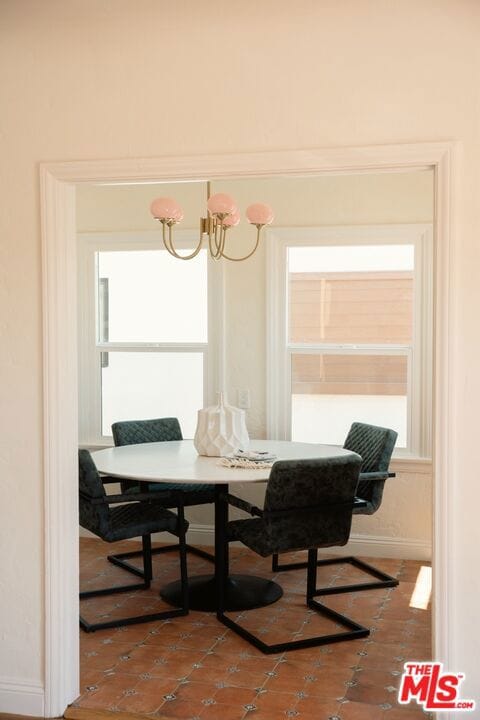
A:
x,y
104,208
86,79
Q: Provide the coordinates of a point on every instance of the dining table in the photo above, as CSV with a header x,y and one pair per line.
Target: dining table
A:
x,y
178,462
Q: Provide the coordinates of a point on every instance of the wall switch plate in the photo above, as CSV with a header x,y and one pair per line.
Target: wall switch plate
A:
x,y
243,399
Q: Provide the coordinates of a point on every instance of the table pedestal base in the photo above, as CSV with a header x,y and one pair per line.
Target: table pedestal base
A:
x,y
243,592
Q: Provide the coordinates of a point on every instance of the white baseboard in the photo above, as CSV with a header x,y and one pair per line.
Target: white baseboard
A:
x,y
21,698
372,545
369,545
383,546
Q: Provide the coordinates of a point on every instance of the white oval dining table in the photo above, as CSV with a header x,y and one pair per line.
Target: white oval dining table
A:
x,y
179,462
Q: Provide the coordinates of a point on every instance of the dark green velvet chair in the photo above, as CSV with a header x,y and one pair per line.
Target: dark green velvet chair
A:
x,y
375,446
124,516
134,432
308,505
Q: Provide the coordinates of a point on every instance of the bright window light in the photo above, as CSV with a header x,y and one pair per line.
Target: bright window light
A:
x,y
423,589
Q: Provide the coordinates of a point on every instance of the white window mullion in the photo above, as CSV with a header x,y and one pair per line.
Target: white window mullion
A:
x,y
277,355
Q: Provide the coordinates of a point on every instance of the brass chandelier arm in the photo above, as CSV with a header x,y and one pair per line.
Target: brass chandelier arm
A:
x,y
214,250
168,242
216,243
245,257
216,232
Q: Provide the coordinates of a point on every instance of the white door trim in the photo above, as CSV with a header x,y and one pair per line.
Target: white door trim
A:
x,y
58,182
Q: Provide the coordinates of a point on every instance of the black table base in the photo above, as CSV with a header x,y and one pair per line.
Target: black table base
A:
x,y
243,592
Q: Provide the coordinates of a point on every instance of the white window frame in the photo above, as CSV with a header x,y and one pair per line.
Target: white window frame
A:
x,y
90,347
279,350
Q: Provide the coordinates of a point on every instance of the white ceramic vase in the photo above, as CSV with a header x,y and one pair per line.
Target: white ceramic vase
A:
x,y
221,430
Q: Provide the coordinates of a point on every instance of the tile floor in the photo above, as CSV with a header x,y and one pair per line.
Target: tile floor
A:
x,y
192,667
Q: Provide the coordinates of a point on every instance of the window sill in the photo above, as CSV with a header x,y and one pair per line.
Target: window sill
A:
x,y
92,446
410,464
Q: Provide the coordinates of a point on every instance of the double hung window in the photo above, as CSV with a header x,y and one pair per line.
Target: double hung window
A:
x,y
350,333
146,336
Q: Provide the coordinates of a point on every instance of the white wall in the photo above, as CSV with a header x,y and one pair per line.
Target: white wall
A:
x,y
119,78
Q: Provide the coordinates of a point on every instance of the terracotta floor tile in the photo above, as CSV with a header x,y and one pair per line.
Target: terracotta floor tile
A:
x,y
391,632
331,684
109,692
321,714
147,696
290,677
180,663
361,711
183,709
220,711
195,691
314,707
88,678
245,679
220,660
407,713
374,687
235,696
275,701
140,659
340,655
213,674
130,633
378,655
131,669
104,657
90,642
164,636
266,715
420,652
377,677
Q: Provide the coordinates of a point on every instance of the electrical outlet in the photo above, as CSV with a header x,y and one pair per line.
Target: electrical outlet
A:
x,y
243,399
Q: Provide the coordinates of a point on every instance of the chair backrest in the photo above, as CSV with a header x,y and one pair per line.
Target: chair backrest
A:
x,y
133,432
308,503
375,446
93,516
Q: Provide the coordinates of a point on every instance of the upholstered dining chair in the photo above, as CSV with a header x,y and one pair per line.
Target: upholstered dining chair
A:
x,y
308,505
132,432
375,446
124,516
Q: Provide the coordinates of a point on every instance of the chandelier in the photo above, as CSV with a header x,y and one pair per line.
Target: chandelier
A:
x,y
222,214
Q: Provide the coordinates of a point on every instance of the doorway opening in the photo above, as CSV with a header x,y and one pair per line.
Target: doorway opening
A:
x,y
61,377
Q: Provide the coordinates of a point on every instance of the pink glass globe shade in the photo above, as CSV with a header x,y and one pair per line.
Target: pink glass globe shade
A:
x,y
232,220
166,209
259,214
220,203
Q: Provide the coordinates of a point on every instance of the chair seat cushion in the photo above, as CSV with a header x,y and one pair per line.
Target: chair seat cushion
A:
x,y
266,538
193,493
251,533
136,519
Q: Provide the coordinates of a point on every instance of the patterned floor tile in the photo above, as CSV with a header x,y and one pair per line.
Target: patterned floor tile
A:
x,y
193,668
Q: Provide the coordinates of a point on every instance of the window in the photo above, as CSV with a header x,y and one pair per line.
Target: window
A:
x,y
350,333
146,335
